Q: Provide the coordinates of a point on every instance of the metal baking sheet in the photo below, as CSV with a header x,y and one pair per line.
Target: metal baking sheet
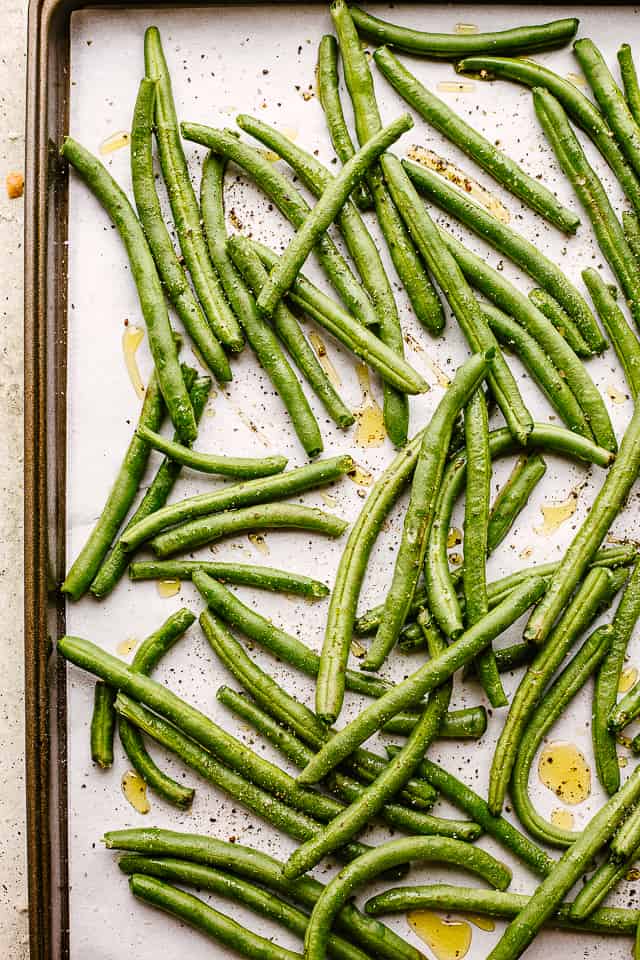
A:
x,y
260,59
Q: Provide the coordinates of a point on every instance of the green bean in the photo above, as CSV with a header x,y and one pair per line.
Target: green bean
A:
x,y
234,888
329,97
290,333
102,725
508,298
567,871
631,228
514,656
629,80
468,723
154,309
513,496
417,522
147,656
597,887
148,206
363,342
256,866
292,205
570,681
363,250
450,46
422,295
561,320
494,903
120,497
607,681
624,340
504,170
237,495
592,195
595,592
605,508
626,840
267,516
245,574
430,675
390,854
551,381
115,562
579,108
239,467
612,103
626,710
184,206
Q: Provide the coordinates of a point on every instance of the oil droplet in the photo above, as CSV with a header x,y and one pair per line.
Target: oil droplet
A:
x,y
466,28
457,176
330,500
135,790
360,476
628,678
456,559
449,939
624,741
577,79
555,514
453,86
634,874
253,427
131,340
454,537
524,554
615,395
563,769
125,647
115,142
320,348
270,156
357,648
370,431
482,923
622,762
259,542
290,133
169,587
441,378
562,818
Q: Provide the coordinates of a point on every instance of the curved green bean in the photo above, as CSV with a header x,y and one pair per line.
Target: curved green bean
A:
x,y
239,467
513,496
245,574
102,725
561,320
629,80
624,340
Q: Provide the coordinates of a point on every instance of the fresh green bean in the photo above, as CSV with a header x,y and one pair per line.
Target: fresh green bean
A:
x,y
115,563
363,250
120,497
497,164
186,213
256,866
239,467
417,523
570,681
508,298
237,495
629,80
450,46
388,855
626,839
527,472
607,681
102,725
631,227
329,97
579,108
605,508
494,903
599,884
624,340
148,206
245,574
514,656
468,723
547,898
363,342
234,888
161,341
592,195
612,103
626,710
267,516
561,320
430,675
595,592
422,295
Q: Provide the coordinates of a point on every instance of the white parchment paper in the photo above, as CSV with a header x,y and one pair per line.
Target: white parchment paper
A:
x,y
260,59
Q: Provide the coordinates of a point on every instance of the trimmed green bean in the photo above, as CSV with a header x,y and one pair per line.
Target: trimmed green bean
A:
x,y
469,723
596,591
624,340
450,46
597,887
605,508
626,840
626,710
184,206
148,206
241,468
245,574
102,725
513,496
631,228
561,320
497,164
629,80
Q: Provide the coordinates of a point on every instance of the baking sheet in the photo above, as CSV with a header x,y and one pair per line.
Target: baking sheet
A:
x,y
260,59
